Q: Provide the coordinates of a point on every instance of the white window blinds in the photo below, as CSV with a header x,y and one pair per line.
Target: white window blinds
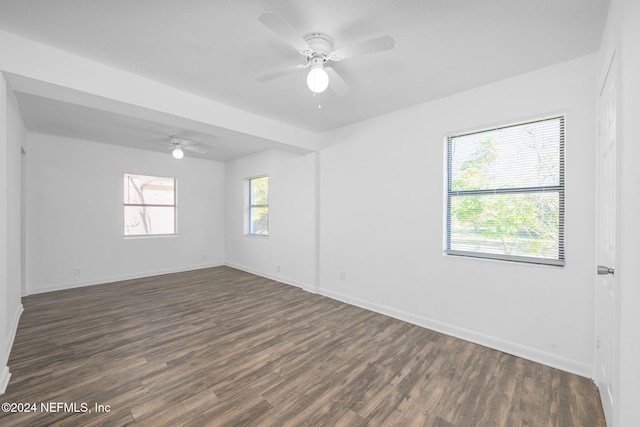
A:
x,y
505,192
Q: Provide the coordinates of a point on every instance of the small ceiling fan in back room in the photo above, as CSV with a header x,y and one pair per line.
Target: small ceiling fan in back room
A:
x,y
177,144
318,50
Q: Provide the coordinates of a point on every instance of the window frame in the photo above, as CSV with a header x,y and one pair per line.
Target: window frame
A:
x,y
559,188
174,205
251,206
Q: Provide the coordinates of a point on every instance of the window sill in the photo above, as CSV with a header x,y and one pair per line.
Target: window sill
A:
x,y
530,261
259,236
149,236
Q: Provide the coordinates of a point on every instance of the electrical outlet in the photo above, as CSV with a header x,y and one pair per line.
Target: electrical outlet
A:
x,y
204,257
343,275
77,271
278,268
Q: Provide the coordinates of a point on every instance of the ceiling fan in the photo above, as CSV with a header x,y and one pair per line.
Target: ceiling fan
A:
x,y
318,49
177,144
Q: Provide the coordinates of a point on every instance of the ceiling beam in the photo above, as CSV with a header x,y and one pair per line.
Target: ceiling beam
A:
x,y
41,70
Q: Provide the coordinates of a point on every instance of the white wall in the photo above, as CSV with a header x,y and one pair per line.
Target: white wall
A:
x,y
381,223
17,142
12,139
4,243
74,215
291,243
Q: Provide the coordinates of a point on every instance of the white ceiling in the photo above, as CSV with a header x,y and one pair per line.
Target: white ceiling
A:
x,y
216,49
53,117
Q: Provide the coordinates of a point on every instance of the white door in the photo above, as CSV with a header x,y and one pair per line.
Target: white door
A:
x,y
606,291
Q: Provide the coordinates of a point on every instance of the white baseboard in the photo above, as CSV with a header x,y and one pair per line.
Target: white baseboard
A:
x,y
529,353
111,279
280,279
5,374
519,350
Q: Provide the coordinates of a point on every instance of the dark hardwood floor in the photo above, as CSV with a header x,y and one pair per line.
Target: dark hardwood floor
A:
x,y
222,347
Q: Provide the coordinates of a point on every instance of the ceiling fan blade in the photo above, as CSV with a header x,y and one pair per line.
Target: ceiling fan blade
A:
x,y
177,140
337,83
281,27
369,46
194,148
284,71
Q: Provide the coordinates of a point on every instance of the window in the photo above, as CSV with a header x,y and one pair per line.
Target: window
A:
x,y
505,193
149,205
259,206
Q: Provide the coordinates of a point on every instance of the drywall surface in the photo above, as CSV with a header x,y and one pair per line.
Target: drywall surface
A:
x,y
288,254
75,214
11,143
16,142
381,221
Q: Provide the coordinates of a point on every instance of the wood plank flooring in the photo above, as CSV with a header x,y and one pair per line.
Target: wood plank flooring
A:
x,y
220,347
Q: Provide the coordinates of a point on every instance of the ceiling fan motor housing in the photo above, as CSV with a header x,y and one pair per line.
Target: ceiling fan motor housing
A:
x,y
320,45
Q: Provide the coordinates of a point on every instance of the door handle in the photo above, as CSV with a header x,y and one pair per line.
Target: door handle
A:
x,y
602,270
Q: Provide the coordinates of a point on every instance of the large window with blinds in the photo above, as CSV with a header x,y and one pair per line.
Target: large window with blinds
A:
x,y
505,192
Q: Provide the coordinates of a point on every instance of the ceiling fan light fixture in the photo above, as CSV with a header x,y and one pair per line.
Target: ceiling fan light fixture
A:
x,y
177,153
317,79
